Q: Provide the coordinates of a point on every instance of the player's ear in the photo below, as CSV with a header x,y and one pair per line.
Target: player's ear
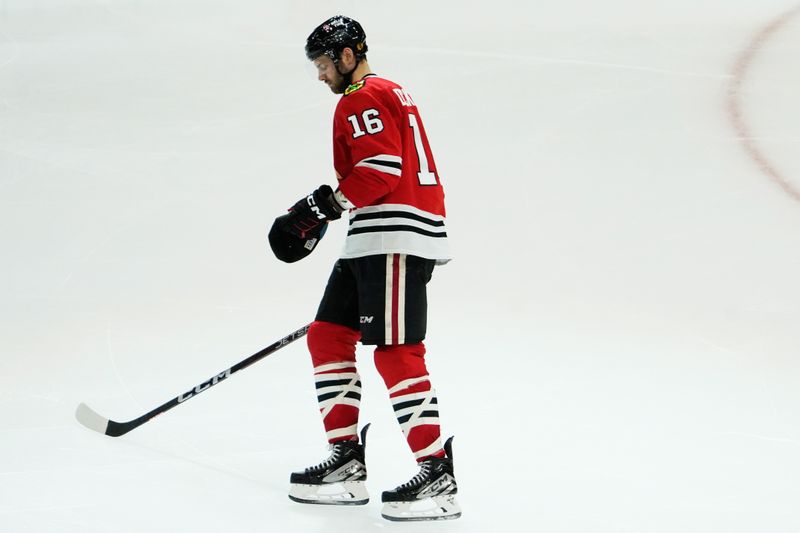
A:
x,y
348,58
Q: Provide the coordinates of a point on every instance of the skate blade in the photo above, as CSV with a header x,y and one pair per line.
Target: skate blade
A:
x,y
436,508
342,493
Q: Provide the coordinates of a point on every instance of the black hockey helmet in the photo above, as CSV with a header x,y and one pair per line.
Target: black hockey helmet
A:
x,y
333,36
290,248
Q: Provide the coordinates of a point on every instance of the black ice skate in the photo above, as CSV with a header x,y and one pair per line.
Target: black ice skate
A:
x,y
338,480
430,495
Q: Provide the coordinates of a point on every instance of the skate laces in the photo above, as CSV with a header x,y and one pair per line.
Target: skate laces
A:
x,y
336,452
424,472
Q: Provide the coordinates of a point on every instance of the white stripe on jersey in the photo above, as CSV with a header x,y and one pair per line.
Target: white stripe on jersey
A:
x,y
396,207
396,228
395,221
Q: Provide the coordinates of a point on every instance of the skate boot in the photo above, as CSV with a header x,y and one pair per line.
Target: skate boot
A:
x,y
430,495
338,480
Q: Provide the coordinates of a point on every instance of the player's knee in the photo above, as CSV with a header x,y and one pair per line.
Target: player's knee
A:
x,y
397,363
331,343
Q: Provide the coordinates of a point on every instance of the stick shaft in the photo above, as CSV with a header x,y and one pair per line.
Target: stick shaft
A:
x,y
115,429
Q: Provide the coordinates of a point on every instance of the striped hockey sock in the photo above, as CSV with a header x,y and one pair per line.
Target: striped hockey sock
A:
x,y
413,398
338,384
339,397
417,412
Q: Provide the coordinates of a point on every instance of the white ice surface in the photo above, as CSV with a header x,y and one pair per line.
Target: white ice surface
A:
x,y
615,346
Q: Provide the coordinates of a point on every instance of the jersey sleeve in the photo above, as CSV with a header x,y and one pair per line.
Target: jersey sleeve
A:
x,y
367,136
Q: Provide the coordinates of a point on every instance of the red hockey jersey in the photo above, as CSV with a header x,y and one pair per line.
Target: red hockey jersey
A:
x,y
387,172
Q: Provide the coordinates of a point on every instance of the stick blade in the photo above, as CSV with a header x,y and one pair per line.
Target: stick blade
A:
x,y
90,419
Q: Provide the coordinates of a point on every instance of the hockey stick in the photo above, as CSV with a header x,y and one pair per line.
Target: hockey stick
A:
x,y
89,418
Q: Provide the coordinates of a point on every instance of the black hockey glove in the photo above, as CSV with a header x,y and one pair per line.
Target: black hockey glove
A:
x,y
307,215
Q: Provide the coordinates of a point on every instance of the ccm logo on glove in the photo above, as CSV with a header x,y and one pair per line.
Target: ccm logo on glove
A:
x,y
314,208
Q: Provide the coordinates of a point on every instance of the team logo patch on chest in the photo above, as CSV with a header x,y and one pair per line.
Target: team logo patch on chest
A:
x,y
354,87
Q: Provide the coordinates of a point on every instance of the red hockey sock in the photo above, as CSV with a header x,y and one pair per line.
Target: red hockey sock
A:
x,y
333,353
402,367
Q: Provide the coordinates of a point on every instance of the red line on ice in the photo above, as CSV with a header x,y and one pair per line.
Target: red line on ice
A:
x,y
738,75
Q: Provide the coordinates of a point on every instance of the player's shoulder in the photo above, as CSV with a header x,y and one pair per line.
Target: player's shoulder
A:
x,y
370,88
371,84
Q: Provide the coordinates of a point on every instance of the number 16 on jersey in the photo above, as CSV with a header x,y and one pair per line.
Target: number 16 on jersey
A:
x,y
372,125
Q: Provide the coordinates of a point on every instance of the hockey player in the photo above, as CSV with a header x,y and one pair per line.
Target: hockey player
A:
x,y
376,293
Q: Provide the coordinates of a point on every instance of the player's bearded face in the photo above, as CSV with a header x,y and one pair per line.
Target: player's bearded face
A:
x,y
327,72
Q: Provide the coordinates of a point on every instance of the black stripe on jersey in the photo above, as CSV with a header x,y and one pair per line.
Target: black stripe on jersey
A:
x,y
378,229
381,162
396,214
